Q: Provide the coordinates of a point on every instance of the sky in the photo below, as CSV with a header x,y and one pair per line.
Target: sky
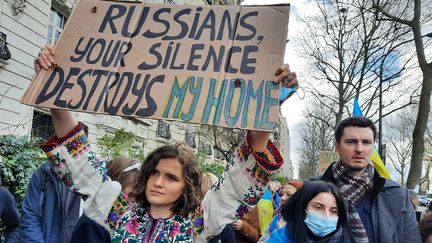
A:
x,y
293,108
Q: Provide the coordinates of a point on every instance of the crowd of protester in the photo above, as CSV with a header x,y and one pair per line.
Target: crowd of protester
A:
x,y
77,197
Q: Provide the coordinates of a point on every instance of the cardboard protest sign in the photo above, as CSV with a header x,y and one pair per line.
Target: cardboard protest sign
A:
x,y
326,158
201,64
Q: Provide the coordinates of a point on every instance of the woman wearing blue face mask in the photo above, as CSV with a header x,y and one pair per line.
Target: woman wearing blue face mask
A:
x,y
315,213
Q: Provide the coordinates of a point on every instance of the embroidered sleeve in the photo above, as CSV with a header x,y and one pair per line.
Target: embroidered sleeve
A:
x,y
238,190
83,172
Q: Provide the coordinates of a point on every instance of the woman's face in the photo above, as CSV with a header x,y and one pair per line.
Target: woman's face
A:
x,y
323,203
288,191
166,183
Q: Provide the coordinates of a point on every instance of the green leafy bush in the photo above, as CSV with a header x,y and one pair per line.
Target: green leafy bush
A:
x,y
20,157
216,169
119,144
280,178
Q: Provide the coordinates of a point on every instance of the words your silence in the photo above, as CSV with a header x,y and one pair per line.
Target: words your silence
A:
x,y
162,51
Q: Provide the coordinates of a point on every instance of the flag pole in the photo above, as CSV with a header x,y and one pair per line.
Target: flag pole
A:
x,y
380,144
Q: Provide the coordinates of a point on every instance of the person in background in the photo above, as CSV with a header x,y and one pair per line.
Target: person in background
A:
x,y
425,226
315,213
379,209
208,180
9,216
274,188
287,191
49,210
122,170
278,221
247,229
427,211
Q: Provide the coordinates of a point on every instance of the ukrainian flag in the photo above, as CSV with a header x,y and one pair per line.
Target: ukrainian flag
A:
x,y
375,158
265,210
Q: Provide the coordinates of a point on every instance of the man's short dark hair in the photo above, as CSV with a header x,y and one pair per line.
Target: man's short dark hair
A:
x,y
354,121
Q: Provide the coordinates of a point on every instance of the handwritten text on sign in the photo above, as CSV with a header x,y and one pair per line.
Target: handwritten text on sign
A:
x,y
210,65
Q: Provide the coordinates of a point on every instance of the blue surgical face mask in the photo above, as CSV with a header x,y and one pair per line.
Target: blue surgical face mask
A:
x,y
320,225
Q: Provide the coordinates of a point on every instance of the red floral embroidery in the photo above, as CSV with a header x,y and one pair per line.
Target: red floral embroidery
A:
x,y
132,226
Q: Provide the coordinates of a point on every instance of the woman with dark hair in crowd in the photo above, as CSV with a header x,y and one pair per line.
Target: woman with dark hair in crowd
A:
x,y
278,222
168,200
122,170
315,213
427,211
425,226
125,171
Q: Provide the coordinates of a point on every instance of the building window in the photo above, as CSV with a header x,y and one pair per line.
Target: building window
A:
x,y
42,127
190,139
218,155
56,25
163,130
205,147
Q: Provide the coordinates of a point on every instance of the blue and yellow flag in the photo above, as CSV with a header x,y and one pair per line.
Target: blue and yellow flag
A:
x,y
375,158
265,210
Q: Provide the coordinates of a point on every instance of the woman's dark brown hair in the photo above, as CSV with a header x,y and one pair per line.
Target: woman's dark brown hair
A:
x,y
192,195
425,226
116,171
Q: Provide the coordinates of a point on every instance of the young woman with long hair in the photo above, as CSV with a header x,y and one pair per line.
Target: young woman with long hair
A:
x,y
169,205
124,171
315,213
